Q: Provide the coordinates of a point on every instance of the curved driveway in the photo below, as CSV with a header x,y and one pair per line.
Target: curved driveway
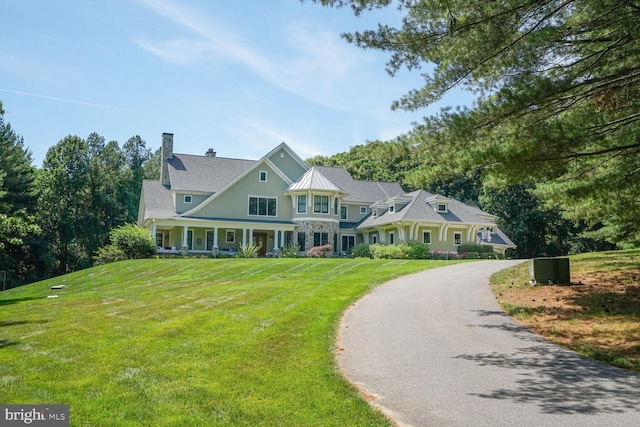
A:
x,y
434,349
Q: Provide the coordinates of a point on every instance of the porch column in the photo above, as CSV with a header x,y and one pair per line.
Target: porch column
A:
x,y
185,248
401,232
443,232
471,233
215,237
153,232
244,237
276,239
251,235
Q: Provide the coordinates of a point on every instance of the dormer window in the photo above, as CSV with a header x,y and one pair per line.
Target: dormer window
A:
x,y
392,209
188,198
441,207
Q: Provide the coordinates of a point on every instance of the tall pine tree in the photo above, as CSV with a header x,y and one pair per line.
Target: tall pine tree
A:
x,y
556,88
18,231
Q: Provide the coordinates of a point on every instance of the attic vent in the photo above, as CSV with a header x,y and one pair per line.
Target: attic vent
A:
x,y
210,153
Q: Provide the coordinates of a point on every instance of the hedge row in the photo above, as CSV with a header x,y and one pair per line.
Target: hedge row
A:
x,y
421,251
401,251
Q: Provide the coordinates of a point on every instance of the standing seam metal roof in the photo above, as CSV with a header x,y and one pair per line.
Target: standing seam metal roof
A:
x,y
313,179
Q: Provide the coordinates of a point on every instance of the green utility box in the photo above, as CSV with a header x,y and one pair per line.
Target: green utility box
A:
x,y
547,271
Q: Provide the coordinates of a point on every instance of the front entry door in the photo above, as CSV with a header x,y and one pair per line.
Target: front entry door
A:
x,y
260,239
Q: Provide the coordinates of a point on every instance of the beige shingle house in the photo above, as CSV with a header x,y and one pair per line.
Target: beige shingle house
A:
x,y
210,204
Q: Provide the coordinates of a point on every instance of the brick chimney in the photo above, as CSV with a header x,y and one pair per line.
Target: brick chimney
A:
x,y
166,155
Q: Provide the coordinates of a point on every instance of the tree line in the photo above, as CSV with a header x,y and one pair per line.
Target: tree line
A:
x,y
54,219
539,229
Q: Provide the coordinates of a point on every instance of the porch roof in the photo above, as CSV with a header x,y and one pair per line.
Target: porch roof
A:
x,y
419,210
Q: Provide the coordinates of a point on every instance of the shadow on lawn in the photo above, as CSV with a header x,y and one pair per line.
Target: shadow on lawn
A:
x,y
17,300
625,303
6,343
8,323
557,380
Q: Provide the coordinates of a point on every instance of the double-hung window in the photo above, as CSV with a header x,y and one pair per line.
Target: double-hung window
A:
x,y
320,204
457,238
302,203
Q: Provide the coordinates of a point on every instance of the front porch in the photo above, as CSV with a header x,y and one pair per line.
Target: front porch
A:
x,y
193,239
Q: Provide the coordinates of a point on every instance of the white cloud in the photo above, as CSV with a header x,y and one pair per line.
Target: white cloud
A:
x,y
66,100
310,61
215,38
182,52
319,66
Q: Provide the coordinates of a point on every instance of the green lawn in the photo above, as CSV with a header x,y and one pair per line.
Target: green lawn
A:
x,y
190,342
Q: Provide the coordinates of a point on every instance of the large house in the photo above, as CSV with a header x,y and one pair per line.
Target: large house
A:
x,y
210,204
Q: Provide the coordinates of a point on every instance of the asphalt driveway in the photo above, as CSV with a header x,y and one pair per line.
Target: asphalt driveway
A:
x,y
435,349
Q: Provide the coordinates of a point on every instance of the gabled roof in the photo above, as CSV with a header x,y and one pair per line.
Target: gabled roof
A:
x,y
365,192
313,179
418,209
235,179
496,238
285,147
204,174
158,200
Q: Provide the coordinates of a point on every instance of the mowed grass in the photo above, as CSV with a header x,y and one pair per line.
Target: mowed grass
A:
x,y
598,315
190,342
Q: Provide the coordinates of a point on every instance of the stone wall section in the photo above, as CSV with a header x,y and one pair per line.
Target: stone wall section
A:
x,y
311,227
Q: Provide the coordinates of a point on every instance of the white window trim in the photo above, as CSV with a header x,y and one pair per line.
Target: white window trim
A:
x,y
457,233
374,212
260,174
363,210
444,205
346,213
190,198
392,208
347,235
193,237
328,212
304,204
392,238
425,233
206,239
261,197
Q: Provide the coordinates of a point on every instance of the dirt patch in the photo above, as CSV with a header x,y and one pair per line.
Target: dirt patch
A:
x,y
597,315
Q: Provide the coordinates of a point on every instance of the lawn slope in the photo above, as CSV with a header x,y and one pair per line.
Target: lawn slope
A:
x,y
190,341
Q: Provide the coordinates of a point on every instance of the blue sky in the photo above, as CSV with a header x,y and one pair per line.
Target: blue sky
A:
x,y
239,76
